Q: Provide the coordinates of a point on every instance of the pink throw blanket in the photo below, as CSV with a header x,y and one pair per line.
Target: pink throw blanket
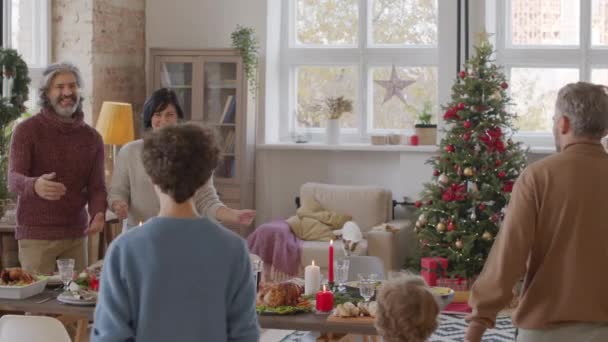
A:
x,y
277,246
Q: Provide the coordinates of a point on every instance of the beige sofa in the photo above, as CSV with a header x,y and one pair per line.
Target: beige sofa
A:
x,y
369,206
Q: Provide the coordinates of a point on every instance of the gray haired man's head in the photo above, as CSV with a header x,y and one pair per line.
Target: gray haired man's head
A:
x,y
586,107
60,89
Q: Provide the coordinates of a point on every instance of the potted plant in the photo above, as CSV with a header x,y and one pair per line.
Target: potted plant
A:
x,y
336,106
425,130
243,39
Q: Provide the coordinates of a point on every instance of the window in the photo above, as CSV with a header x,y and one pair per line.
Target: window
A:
x,y
27,31
545,44
334,48
600,76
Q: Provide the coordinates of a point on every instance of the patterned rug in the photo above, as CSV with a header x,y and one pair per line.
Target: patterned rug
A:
x,y
452,328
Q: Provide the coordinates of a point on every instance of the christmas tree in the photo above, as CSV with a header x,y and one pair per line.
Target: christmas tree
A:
x,y
461,209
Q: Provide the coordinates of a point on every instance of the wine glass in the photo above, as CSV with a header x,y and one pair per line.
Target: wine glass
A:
x,y
341,272
66,271
367,286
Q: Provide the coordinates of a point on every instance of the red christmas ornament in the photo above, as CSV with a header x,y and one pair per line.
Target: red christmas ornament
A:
x,y
451,226
502,174
508,187
482,207
498,163
495,217
429,202
504,85
460,106
462,74
450,148
418,204
466,136
436,173
467,124
451,113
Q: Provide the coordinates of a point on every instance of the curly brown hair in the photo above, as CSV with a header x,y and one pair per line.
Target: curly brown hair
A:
x,y
180,159
407,310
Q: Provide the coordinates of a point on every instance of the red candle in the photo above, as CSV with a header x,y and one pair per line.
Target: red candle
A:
x,y
325,300
330,270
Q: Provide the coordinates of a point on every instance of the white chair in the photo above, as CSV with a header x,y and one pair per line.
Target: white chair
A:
x,y
365,265
15,328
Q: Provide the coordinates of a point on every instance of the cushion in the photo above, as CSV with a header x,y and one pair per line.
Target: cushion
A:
x,y
368,205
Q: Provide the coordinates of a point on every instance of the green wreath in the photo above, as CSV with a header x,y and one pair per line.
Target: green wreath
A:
x,y
13,66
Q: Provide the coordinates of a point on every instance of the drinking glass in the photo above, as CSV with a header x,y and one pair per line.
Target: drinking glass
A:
x,y
341,272
66,271
367,286
257,266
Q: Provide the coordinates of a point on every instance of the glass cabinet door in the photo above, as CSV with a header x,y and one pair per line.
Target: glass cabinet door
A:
x,y
177,74
221,110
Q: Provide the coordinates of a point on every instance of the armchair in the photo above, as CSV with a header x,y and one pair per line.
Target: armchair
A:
x,y
369,206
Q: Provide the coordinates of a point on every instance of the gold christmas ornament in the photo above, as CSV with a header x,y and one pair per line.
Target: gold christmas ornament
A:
x,y
443,179
496,96
418,224
468,171
459,244
441,227
487,236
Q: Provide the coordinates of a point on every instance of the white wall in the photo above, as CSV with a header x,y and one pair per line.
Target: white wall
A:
x,y
279,173
201,23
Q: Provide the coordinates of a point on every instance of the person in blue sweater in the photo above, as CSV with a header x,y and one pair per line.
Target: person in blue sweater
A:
x,y
178,277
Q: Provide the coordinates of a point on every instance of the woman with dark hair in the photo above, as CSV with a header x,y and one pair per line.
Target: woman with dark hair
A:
x,y
179,277
131,195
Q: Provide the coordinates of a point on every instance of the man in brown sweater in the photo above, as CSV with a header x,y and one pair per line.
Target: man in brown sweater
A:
x,y
56,167
554,234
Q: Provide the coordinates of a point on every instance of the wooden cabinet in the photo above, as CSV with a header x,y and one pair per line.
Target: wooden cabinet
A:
x,y
212,90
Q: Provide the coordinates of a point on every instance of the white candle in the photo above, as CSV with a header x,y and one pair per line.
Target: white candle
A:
x,y
312,279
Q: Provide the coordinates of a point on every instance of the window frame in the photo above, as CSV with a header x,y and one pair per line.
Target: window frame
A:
x,y
42,38
364,57
584,57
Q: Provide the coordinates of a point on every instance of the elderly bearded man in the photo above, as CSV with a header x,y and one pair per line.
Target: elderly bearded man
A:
x,y
56,168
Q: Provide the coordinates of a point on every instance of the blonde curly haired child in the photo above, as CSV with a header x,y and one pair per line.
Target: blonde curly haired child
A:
x,y
407,310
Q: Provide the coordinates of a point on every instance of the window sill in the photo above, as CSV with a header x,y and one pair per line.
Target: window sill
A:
x,y
348,147
541,150
369,147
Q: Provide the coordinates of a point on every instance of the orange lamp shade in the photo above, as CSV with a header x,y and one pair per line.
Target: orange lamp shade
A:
x,y
115,123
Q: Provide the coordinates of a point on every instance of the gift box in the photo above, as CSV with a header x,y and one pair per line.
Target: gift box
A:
x,y
432,268
456,283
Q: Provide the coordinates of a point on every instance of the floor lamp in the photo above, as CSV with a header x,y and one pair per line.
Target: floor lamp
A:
x,y
115,124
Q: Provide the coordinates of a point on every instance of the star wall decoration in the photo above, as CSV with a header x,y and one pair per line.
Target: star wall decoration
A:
x,y
394,86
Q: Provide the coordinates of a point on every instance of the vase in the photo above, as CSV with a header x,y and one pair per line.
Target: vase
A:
x,y
332,134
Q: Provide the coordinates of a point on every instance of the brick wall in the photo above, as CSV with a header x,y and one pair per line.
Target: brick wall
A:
x,y
106,40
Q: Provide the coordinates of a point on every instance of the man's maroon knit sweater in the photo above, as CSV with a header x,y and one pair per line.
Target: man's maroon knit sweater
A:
x,y
46,143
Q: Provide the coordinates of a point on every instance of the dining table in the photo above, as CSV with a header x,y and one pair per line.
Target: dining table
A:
x,y
46,303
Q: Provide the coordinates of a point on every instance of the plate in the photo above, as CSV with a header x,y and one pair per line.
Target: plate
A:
x,y
282,310
70,299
